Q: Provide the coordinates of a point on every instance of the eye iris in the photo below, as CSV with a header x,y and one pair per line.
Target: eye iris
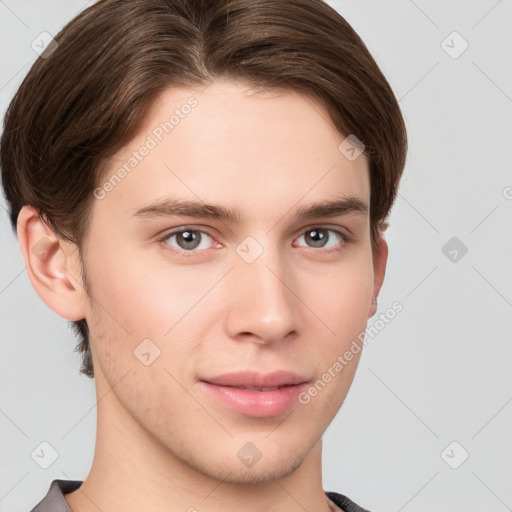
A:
x,y
319,237
191,239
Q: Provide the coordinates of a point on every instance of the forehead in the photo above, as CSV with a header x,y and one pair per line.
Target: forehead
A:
x,y
229,142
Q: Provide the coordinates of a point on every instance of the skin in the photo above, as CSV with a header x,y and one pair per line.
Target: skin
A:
x,y
161,441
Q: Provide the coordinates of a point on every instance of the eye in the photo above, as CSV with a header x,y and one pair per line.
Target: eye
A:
x,y
187,240
319,238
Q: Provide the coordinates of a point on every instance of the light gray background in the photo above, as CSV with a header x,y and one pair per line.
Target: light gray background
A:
x,y
439,372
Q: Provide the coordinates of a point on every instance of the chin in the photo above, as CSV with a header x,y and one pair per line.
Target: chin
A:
x,y
227,464
267,472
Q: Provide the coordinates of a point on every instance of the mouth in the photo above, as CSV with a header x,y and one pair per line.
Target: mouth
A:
x,y
253,394
257,389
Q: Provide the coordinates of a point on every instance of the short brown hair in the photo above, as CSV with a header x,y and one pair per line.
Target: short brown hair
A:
x,y
85,99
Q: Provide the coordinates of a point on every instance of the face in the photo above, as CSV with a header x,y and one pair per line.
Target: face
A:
x,y
183,296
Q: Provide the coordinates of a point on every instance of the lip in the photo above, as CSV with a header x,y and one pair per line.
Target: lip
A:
x,y
228,389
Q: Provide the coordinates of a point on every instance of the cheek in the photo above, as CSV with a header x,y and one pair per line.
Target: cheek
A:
x,y
134,302
341,298
142,365
131,293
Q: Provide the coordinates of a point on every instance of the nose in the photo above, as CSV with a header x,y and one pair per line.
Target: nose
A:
x,y
261,300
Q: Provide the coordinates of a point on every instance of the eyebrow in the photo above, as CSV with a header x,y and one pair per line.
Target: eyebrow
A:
x,y
191,208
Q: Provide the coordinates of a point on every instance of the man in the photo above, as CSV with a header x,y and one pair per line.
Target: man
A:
x,y
202,189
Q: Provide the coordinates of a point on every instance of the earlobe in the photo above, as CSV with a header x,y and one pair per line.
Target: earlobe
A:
x,y
52,265
380,259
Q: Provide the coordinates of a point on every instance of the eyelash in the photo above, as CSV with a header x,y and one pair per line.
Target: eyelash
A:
x,y
345,240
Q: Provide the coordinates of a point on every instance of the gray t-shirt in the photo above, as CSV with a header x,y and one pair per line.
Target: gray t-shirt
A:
x,y
54,500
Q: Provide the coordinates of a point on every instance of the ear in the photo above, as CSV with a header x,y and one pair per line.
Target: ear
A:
x,y
380,258
53,266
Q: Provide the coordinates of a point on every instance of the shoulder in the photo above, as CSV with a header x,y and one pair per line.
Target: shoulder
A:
x,y
54,500
346,504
